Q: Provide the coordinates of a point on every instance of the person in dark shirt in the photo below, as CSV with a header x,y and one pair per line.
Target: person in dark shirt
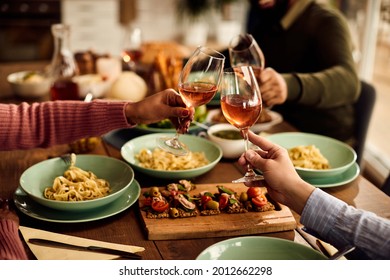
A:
x,y
310,75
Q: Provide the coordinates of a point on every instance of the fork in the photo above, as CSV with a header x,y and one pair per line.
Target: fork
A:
x,y
67,158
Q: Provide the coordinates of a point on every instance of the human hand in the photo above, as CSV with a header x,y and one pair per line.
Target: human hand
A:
x,y
273,87
6,213
281,179
159,106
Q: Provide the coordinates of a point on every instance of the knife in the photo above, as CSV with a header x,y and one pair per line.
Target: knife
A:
x,y
96,249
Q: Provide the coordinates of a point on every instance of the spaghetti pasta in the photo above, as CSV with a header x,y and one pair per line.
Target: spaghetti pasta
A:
x,y
161,160
77,184
308,157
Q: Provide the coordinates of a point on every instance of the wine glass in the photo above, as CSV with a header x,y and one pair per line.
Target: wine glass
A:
x,y
131,49
199,81
244,50
241,105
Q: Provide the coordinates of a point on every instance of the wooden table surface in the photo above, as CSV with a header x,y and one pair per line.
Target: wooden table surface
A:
x,y
126,227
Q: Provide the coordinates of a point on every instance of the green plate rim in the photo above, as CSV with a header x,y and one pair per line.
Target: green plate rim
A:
x,y
263,239
44,213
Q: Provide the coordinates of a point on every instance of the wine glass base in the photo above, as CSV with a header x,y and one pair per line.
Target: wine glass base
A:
x,y
249,179
173,146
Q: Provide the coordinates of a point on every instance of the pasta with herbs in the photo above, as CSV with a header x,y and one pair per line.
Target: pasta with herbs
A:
x,y
308,157
161,160
77,184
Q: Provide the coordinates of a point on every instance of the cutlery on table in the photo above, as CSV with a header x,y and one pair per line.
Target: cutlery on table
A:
x,y
342,252
96,249
311,240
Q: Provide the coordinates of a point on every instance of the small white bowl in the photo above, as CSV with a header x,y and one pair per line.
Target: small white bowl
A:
x,y
37,85
231,148
93,83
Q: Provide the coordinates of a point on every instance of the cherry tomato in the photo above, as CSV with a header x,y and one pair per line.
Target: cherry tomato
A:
x,y
254,192
147,201
160,206
223,201
260,200
204,199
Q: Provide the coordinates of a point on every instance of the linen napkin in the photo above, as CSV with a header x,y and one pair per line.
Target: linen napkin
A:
x,y
49,253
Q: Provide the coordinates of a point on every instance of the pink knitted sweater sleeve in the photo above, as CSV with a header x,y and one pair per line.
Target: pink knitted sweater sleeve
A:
x,y
11,247
49,123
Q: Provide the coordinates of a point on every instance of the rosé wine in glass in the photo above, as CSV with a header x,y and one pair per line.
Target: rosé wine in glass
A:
x,y
198,83
241,105
238,115
197,93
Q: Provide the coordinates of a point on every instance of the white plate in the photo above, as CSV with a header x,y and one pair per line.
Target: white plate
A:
x,y
33,209
258,127
338,180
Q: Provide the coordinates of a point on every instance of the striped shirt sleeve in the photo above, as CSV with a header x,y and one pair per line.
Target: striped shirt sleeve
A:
x,y
341,224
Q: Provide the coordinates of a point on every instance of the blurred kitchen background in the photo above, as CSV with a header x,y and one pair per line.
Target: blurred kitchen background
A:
x,y
100,26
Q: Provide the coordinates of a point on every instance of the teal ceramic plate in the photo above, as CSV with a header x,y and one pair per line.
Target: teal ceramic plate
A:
x,y
167,127
36,178
195,144
340,155
31,208
148,129
338,180
259,248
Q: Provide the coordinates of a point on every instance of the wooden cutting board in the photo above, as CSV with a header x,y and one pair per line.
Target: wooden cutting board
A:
x,y
221,225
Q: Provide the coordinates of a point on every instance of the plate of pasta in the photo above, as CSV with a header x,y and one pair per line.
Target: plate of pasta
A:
x,y
143,155
88,183
316,156
37,211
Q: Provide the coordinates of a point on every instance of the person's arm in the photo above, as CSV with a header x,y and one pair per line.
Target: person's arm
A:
x,y
341,225
333,220
45,124
338,83
11,247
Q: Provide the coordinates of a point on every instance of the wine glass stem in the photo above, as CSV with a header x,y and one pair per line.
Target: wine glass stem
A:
x,y
174,141
249,172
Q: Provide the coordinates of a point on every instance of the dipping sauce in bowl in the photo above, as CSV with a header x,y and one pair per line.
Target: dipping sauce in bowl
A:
x,y
228,138
228,134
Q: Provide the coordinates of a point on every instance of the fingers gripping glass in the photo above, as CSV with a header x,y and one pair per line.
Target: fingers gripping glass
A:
x,y
198,83
241,105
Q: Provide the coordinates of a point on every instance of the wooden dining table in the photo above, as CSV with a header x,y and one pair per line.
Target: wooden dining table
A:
x,y
127,227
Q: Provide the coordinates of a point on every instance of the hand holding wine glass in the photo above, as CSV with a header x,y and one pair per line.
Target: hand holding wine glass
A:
x,y
241,105
198,83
